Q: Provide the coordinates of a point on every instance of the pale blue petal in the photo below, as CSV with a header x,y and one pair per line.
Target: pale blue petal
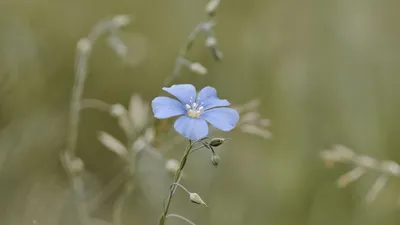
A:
x,y
191,128
208,98
183,92
207,92
164,107
224,119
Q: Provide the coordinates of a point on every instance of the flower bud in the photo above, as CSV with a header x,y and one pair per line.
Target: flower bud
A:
x,y
84,45
138,112
215,160
121,20
366,161
198,68
172,166
211,42
121,113
255,130
117,45
76,165
379,184
212,6
112,144
208,25
391,167
117,110
139,144
195,198
350,176
215,142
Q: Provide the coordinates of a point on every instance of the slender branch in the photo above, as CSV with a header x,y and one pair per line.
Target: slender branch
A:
x,y
176,180
198,148
94,104
181,186
72,164
184,51
181,217
363,164
129,186
120,202
84,50
80,77
342,154
83,211
109,188
203,26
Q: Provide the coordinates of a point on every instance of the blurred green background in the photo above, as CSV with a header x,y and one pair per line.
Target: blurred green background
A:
x,y
326,72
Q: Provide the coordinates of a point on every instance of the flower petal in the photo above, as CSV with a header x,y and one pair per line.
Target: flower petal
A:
x,y
191,128
224,119
183,92
164,107
208,98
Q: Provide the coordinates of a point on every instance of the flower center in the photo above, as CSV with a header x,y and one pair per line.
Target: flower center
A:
x,y
194,109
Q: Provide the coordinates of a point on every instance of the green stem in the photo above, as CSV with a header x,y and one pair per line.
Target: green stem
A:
x,y
176,180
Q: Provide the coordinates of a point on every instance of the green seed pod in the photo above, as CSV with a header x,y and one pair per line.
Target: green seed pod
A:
x,y
215,160
215,142
195,198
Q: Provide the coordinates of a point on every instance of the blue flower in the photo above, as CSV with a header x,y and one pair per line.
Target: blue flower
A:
x,y
195,110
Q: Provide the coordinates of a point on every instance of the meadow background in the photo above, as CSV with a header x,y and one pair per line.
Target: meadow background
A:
x,y
326,72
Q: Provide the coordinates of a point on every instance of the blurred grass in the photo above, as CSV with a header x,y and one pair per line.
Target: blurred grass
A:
x,y
326,71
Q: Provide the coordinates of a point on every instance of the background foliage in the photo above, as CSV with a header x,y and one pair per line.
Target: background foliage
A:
x,y
326,72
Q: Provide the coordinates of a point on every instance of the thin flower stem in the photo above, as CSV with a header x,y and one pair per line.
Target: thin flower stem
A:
x,y
181,186
75,106
197,149
177,68
95,104
109,188
82,209
68,157
120,202
182,56
72,135
129,186
183,52
179,180
82,60
176,181
181,217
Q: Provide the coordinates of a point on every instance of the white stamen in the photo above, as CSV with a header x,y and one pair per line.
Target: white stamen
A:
x,y
194,109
